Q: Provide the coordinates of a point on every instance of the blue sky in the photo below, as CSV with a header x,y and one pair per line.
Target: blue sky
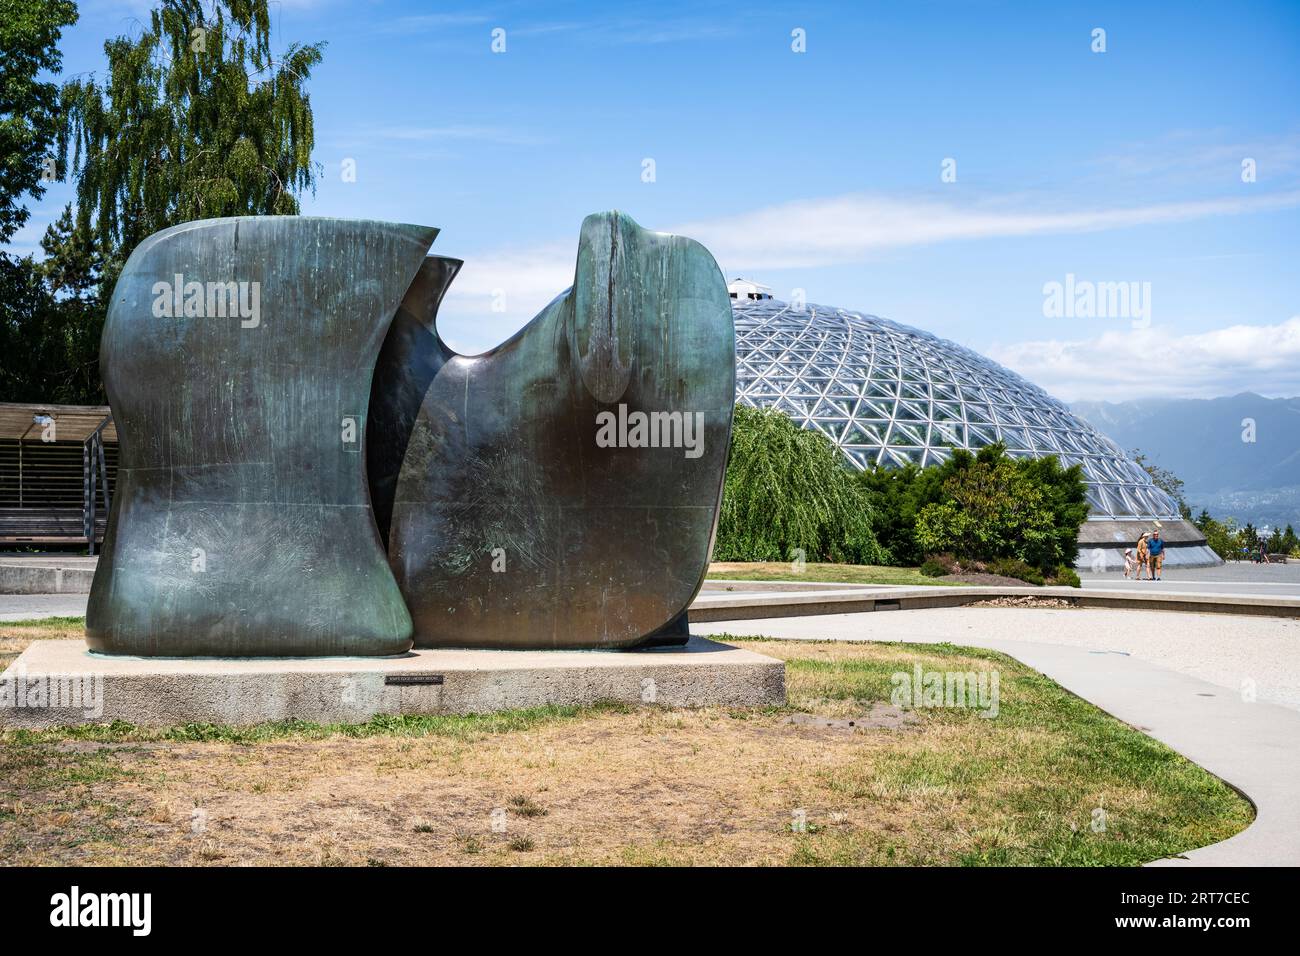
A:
x,y
822,170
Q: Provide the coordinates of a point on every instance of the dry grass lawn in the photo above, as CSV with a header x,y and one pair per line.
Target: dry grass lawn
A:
x,y
613,785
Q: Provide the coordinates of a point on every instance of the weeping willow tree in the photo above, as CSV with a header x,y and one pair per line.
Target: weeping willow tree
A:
x,y
195,118
789,490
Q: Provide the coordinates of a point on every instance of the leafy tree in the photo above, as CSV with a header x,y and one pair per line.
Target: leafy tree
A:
x,y
787,488
981,506
25,350
1290,544
1166,481
898,494
52,320
72,270
1223,537
29,115
1065,495
29,118
994,507
195,119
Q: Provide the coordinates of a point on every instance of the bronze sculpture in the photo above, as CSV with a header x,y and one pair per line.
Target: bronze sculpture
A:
x,y
561,490
237,357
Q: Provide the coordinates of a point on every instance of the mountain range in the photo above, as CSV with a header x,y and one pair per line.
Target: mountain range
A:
x,y
1238,455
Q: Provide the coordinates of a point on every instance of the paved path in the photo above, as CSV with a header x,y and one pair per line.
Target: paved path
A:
x,y
22,607
1255,746
1235,577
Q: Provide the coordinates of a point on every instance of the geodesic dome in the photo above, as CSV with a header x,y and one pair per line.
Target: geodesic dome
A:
x,y
887,394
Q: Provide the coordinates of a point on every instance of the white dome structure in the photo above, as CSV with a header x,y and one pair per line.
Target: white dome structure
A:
x,y
887,394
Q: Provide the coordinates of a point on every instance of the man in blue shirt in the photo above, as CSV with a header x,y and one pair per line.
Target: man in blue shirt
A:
x,y
1156,547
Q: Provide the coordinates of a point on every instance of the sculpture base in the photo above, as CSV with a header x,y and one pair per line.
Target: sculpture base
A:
x,y
60,683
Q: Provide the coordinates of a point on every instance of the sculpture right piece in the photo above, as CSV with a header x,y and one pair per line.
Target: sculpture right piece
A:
x,y
561,490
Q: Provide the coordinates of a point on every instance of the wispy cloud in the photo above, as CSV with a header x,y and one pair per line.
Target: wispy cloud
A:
x,y
1140,363
659,30
609,29
846,229
835,231
1192,155
545,29
429,134
421,23
495,294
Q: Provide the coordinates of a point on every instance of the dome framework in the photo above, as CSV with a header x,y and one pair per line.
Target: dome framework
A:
x,y
887,394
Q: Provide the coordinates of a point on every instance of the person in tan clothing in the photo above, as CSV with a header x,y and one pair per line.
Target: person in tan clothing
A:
x,y
1143,556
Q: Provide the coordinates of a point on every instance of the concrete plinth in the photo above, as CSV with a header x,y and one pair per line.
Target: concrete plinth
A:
x,y
60,683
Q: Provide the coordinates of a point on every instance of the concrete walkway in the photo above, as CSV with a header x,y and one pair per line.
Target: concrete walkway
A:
x,y
723,600
1254,746
25,607
1235,577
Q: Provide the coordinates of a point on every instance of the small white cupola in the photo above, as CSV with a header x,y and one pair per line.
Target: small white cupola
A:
x,y
741,288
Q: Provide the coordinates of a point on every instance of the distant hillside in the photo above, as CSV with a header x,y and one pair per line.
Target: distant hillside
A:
x,y
1200,441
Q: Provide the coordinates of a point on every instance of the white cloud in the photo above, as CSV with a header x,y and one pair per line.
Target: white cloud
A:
x,y
426,134
523,280
1193,156
429,21
1140,363
811,233
845,229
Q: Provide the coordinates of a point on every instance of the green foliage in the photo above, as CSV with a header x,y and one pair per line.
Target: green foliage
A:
x,y
29,36
1067,577
786,489
1229,541
898,494
1224,537
22,297
196,119
1015,568
1065,497
51,317
31,319
933,569
1166,481
981,507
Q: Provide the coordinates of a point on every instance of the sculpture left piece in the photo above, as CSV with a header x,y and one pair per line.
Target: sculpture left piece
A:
x,y
237,357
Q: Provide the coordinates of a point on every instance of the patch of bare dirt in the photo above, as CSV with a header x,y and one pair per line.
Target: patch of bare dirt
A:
x,y
1027,600
699,786
881,716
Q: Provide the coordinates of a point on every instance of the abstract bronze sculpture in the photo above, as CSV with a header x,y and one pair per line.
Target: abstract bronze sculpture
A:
x,y
237,357
562,489
559,491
